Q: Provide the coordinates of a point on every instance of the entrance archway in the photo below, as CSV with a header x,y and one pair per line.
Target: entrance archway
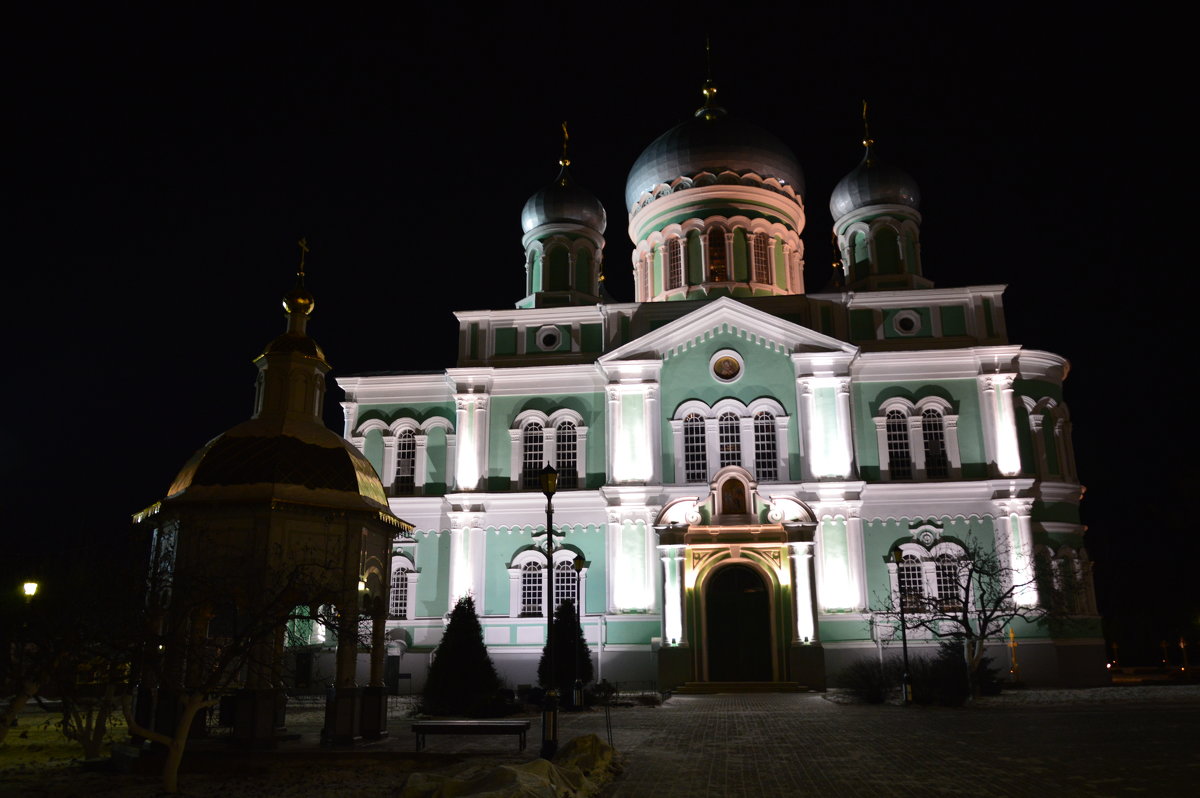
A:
x,y
738,626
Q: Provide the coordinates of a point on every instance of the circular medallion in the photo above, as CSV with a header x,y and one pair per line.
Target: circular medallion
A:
x,y
726,368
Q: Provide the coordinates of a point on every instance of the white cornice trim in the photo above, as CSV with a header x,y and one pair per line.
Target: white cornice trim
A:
x,y
679,333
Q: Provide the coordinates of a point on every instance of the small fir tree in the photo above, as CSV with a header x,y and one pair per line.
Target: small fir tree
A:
x,y
462,678
572,659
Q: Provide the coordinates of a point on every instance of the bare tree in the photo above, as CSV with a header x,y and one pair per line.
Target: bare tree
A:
x,y
971,599
210,630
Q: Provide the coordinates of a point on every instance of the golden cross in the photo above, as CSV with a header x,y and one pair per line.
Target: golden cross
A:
x,y
303,242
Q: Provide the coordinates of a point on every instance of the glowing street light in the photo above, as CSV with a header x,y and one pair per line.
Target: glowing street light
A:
x,y
29,589
549,485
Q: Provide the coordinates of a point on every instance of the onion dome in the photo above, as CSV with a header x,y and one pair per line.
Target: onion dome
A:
x,y
259,460
713,142
285,453
564,202
873,183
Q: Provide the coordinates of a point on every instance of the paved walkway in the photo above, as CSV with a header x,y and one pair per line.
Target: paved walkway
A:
x,y
802,744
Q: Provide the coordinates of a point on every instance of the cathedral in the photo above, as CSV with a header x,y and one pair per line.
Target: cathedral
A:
x,y
749,476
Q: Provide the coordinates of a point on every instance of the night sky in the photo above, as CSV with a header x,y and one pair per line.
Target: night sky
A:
x,y
161,168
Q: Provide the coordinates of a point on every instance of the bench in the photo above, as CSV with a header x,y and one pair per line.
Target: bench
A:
x,y
424,727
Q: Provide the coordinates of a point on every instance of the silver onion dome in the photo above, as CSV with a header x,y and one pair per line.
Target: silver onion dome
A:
x,y
712,142
873,183
563,201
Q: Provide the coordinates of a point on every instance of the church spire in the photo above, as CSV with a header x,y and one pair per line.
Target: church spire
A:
x,y
292,368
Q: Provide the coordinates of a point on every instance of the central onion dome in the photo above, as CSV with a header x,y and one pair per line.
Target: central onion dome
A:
x,y
565,202
873,183
713,142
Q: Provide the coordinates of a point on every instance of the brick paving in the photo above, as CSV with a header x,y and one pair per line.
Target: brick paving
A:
x,y
803,744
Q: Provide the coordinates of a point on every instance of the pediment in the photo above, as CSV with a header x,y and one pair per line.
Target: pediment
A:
x,y
725,315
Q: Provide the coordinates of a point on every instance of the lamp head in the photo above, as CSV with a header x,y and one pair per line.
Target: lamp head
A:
x,y
549,480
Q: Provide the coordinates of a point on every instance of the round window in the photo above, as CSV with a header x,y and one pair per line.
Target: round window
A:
x,y
548,338
906,322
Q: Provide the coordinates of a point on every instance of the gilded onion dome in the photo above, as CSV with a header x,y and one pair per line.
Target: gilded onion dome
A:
x,y
285,453
712,141
873,183
565,202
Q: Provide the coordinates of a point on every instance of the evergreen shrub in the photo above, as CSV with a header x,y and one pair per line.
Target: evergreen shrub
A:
x,y
462,678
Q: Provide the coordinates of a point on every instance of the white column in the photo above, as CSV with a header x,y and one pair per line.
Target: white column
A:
x,y
613,419
806,622
633,449
806,403
845,434
857,556
581,455
389,460
712,447
746,436
672,561
1038,433
998,410
781,447
515,455
471,430
420,461
514,592
1025,592
410,611
349,418
652,421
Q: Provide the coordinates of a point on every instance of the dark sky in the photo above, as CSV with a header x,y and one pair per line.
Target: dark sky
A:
x,y
161,168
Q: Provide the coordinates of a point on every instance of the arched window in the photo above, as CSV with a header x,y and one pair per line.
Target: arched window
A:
x,y
899,453
695,454
933,436
762,262
531,589
766,461
946,570
729,438
718,270
911,583
533,456
566,455
674,263
566,584
398,600
406,458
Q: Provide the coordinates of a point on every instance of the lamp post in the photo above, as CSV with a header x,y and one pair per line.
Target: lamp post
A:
x,y
898,556
549,484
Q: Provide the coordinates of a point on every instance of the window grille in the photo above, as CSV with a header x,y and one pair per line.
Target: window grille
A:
x,y
531,589
533,458
933,436
566,584
729,438
566,453
406,458
766,460
762,263
899,454
695,455
398,605
946,569
718,272
674,263
911,583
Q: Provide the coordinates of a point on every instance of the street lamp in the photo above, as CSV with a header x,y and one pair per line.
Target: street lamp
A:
x,y
549,485
898,556
29,589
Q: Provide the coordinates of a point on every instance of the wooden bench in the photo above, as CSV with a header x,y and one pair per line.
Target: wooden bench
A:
x,y
424,727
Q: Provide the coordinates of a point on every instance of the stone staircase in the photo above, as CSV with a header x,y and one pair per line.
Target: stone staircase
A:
x,y
708,688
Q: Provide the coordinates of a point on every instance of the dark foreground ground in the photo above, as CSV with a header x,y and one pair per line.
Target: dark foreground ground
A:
x,y
1108,742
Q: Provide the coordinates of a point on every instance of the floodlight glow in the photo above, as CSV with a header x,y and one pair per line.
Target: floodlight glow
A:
x,y
30,588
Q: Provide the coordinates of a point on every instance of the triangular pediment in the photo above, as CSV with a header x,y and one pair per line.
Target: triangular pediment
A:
x,y
725,315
